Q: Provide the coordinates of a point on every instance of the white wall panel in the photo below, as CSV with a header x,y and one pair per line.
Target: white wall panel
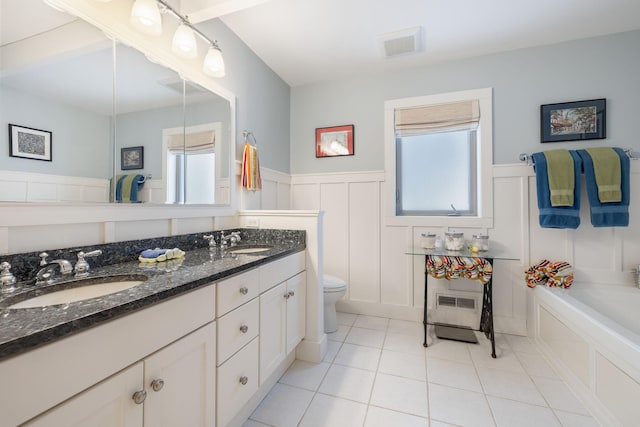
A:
x,y
546,243
334,201
364,241
305,197
396,266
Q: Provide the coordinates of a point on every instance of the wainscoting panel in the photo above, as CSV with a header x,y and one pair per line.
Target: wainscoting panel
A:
x,y
334,201
364,241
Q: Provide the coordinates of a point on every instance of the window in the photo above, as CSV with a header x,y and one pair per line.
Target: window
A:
x,y
438,159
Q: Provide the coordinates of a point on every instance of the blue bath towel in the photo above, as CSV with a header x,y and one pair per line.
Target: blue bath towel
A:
x,y
560,216
133,183
612,214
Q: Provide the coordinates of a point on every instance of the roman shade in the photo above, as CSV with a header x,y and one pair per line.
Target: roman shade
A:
x,y
449,117
195,142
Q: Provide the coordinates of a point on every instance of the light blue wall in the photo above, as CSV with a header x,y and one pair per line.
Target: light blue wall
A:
x,y
522,80
77,136
263,98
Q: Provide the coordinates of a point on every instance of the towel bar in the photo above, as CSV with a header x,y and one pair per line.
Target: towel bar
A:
x,y
633,155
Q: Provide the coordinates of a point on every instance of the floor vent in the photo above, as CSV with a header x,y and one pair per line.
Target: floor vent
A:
x,y
456,302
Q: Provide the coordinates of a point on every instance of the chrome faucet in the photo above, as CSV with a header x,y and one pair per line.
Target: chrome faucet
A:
x,y
234,238
46,274
82,266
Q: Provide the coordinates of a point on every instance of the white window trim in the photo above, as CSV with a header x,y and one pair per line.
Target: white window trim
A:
x,y
484,218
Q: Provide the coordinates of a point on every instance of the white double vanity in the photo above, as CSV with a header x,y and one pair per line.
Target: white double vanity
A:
x,y
204,357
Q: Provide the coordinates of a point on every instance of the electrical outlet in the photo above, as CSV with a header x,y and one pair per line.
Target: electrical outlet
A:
x,y
253,223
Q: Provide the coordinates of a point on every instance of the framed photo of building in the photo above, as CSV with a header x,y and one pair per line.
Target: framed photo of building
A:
x,y
573,121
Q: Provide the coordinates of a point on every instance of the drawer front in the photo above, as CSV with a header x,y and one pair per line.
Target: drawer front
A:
x,y
232,394
237,290
278,271
237,328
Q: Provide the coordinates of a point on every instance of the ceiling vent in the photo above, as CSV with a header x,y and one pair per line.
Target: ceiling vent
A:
x,y
175,84
401,43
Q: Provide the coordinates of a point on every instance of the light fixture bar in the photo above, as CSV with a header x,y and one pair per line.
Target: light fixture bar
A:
x,y
186,22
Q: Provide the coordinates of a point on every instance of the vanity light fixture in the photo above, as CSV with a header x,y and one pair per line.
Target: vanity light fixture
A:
x,y
146,17
184,42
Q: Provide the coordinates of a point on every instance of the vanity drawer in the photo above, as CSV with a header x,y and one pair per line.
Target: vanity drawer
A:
x,y
237,290
280,270
236,329
232,394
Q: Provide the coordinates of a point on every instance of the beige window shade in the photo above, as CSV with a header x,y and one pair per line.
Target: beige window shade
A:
x,y
197,141
448,117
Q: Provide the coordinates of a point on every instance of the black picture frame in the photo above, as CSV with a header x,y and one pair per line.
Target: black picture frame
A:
x,y
131,158
573,121
30,143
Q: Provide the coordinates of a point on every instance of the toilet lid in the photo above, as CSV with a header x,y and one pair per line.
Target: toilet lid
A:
x,y
333,282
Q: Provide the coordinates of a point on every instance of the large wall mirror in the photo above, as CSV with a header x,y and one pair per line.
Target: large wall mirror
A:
x,y
105,103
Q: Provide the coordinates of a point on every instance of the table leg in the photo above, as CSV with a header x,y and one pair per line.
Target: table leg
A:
x,y
486,319
426,293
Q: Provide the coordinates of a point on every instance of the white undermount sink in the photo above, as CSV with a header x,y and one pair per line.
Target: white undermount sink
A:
x,y
249,249
81,290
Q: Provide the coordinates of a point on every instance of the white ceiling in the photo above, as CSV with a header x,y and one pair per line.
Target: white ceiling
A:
x,y
307,41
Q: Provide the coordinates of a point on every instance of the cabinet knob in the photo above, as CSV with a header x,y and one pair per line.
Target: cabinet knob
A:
x,y
244,290
287,296
244,380
291,293
244,329
157,384
139,396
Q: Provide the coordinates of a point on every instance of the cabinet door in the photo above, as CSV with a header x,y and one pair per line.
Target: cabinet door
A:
x,y
296,288
107,404
180,382
273,330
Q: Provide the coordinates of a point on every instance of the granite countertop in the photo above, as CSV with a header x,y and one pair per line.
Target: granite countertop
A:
x,y
24,329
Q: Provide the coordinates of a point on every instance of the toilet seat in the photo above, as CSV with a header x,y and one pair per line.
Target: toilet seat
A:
x,y
333,284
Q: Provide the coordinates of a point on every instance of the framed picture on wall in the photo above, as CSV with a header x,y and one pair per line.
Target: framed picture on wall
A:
x,y
573,121
29,143
131,158
334,141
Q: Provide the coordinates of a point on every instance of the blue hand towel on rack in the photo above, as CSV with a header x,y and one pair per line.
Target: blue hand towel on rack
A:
x,y
611,214
560,216
127,187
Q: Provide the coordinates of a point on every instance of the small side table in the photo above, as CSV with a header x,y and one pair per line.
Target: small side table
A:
x,y
480,267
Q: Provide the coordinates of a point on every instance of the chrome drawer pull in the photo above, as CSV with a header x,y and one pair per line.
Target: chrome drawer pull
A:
x,y
139,396
157,384
244,329
244,380
244,290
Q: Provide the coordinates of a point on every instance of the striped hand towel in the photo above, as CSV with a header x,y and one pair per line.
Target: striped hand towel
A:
x,y
251,168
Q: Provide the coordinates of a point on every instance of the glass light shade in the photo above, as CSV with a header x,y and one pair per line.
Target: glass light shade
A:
x,y
145,17
184,42
213,63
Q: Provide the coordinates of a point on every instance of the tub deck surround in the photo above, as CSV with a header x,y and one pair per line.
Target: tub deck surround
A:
x,y
589,332
25,329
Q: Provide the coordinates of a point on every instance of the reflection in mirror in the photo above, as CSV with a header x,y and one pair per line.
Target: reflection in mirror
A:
x,y
182,127
66,90
67,87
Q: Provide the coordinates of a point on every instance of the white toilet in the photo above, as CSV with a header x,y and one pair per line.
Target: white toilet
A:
x,y
334,288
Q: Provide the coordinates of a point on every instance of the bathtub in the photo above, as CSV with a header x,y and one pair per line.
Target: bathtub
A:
x,y
591,335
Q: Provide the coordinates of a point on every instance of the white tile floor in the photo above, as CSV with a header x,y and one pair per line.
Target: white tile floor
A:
x,y
377,373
